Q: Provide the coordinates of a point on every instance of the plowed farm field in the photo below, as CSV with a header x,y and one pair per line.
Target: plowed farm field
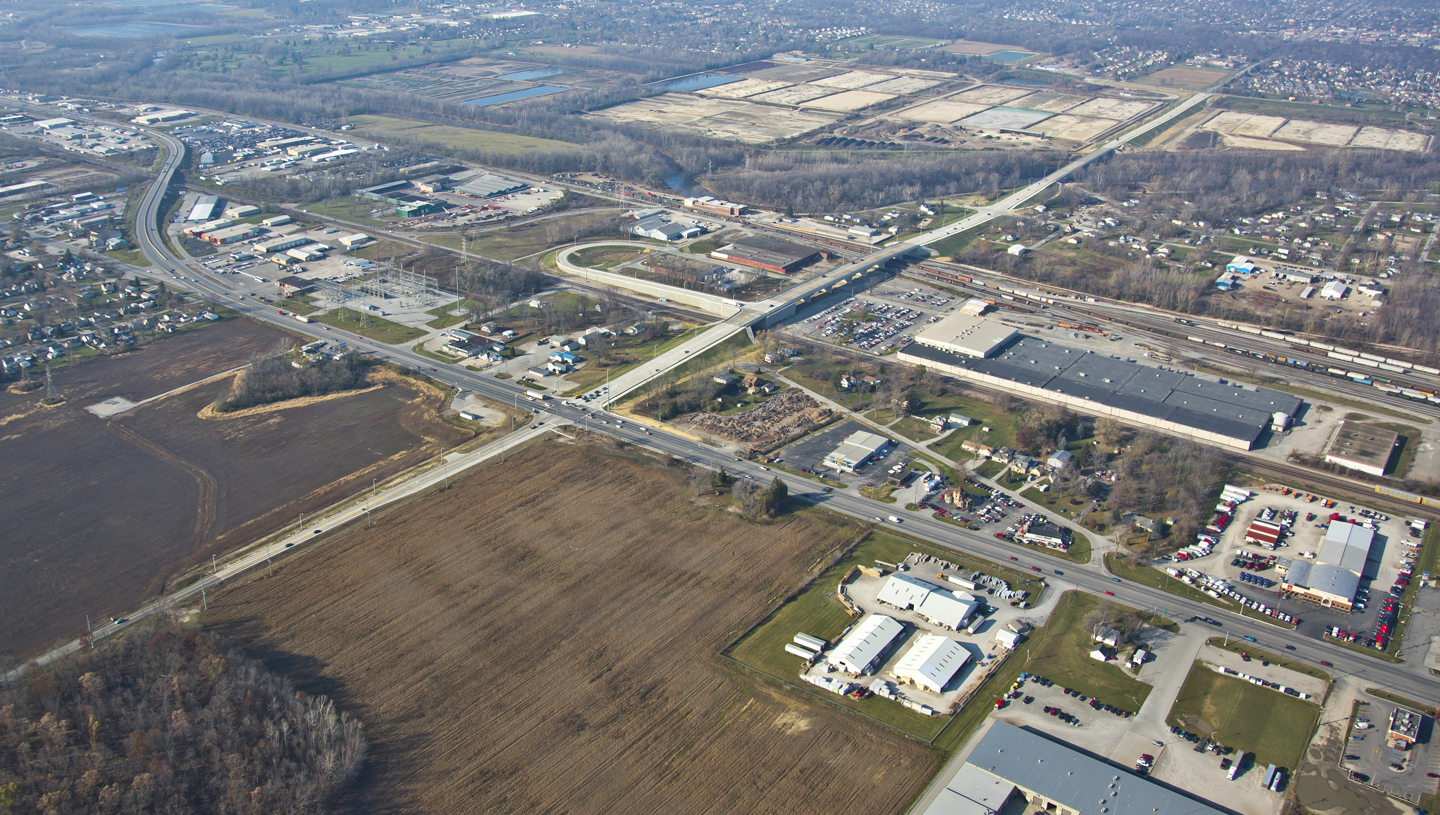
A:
x,y
100,512
544,637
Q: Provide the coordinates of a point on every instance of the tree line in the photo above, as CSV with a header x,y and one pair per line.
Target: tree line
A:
x,y
164,720
276,379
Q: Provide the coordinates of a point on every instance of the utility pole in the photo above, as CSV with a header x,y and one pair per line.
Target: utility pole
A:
x,y
372,488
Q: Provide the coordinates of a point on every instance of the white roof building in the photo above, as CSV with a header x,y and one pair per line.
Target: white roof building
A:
x,y
961,333
1007,639
932,662
855,450
857,652
940,606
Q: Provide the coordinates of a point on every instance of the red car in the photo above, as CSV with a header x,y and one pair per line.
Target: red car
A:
x,y
1109,594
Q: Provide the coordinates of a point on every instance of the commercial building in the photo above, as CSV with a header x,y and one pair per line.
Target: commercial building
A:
x,y
1241,265
855,450
292,285
1333,578
276,220
1362,447
282,243
353,240
859,650
489,185
932,662
766,253
660,229
1013,769
205,209
1334,290
241,211
961,333
432,184
714,206
941,606
1404,726
232,234
1220,413
162,116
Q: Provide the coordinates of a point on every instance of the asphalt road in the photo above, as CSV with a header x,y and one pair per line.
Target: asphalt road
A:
x,y
1411,679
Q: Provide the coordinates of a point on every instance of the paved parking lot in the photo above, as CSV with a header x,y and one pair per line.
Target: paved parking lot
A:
x,y
809,452
896,309
1369,755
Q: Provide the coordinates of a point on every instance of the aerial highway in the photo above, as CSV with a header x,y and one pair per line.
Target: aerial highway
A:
x,y
1410,679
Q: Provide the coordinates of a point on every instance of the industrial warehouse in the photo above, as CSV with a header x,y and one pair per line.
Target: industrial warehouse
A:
x,y
1210,411
1018,770
1362,447
766,253
857,449
1334,577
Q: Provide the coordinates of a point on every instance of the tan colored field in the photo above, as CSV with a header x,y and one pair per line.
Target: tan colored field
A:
x,y
1117,109
1379,137
847,101
544,637
1244,124
1258,144
852,80
1315,132
718,118
990,94
793,95
941,111
902,85
742,89
1185,77
1073,128
1047,101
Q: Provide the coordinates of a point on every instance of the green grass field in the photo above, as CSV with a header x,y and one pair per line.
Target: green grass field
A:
x,y
375,328
383,127
989,469
1063,656
1275,726
1002,425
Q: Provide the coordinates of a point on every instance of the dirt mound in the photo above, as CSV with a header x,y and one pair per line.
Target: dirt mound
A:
x,y
783,416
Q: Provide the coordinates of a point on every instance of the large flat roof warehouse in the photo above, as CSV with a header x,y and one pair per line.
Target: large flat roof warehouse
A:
x,y
1217,412
857,652
968,335
932,662
1011,763
1362,447
766,253
855,450
489,185
204,209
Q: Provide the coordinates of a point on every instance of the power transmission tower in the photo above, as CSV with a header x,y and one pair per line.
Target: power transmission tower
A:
x,y
51,395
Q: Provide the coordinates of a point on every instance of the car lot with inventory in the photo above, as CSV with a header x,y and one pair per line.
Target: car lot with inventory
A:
x,y
885,318
1372,758
1305,521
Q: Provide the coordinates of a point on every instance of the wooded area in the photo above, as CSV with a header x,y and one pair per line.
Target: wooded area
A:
x,y
275,379
165,720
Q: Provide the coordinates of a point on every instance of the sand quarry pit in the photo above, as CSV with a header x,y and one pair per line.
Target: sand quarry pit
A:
x,y
545,637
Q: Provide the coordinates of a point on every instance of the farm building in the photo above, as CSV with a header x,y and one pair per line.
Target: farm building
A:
x,y
972,336
1226,414
1334,577
1362,447
855,450
1012,767
766,253
858,651
932,662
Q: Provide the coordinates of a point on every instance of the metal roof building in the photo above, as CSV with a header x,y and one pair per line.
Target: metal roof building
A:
x,y
1334,577
1221,413
932,662
855,450
1020,765
204,208
858,650
939,605
488,185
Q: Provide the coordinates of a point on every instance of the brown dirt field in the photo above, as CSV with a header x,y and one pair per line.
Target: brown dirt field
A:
x,y
544,637
99,514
